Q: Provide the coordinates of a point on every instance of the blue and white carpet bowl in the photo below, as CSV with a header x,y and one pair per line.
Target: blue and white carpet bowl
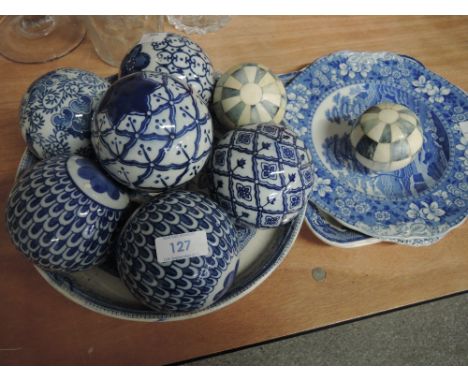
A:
x,y
151,132
387,137
173,54
262,174
180,285
247,94
61,213
56,110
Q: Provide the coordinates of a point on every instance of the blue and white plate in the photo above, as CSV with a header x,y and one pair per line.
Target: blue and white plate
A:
x,y
100,289
332,232
420,202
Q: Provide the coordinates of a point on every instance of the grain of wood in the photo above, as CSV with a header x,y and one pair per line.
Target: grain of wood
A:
x,y
40,326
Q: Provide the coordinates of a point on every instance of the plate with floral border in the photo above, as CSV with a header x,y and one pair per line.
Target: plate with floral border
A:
x,y
422,201
331,232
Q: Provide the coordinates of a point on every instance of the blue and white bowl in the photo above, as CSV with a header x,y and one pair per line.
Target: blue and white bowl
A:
x,y
61,213
262,174
150,132
180,285
173,54
56,112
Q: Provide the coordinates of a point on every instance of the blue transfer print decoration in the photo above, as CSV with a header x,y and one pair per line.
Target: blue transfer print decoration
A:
x,y
423,200
56,110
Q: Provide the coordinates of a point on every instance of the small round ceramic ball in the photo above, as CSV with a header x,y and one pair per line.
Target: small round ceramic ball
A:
x,y
56,110
387,137
61,213
173,54
151,132
247,94
173,284
262,174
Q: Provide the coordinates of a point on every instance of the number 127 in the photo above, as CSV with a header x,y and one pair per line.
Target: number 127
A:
x,y
180,246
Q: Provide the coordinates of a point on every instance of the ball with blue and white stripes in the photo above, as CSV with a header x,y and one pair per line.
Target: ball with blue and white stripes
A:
x,y
248,94
387,137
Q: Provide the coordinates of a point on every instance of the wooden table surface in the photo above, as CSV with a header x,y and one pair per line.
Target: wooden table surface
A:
x,y
40,326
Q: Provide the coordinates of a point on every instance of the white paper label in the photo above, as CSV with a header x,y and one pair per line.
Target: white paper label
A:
x,y
181,246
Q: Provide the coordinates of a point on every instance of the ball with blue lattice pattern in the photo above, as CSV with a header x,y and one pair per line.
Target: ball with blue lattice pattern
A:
x,y
262,174
387,137
151,132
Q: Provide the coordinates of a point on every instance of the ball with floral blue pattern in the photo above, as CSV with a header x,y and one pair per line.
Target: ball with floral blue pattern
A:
x,y
61,214
183,284
262,174
151,132
176,55
56,110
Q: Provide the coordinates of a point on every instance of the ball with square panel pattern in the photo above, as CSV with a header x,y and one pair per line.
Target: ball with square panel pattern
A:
x,y
387,137
262,174
249,93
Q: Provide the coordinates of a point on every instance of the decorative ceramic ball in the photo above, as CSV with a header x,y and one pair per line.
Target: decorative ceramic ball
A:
x,y
174,284
56,112
151,132
174,54
248,94
62,212
387,137
262,174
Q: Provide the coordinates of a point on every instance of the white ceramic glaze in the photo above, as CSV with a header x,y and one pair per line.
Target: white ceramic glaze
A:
x,y
151,132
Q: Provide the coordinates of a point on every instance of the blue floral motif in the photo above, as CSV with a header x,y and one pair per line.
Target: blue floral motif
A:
x,y
272,220
244,138
56,112
98,181
288,152
269,171
71,121
244,192
295,200
429,88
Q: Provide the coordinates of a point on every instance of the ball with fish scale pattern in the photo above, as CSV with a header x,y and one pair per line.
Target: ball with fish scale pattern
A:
x,y
187,284
61,214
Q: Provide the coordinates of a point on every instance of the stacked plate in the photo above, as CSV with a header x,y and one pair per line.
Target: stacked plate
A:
x,y
351,205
